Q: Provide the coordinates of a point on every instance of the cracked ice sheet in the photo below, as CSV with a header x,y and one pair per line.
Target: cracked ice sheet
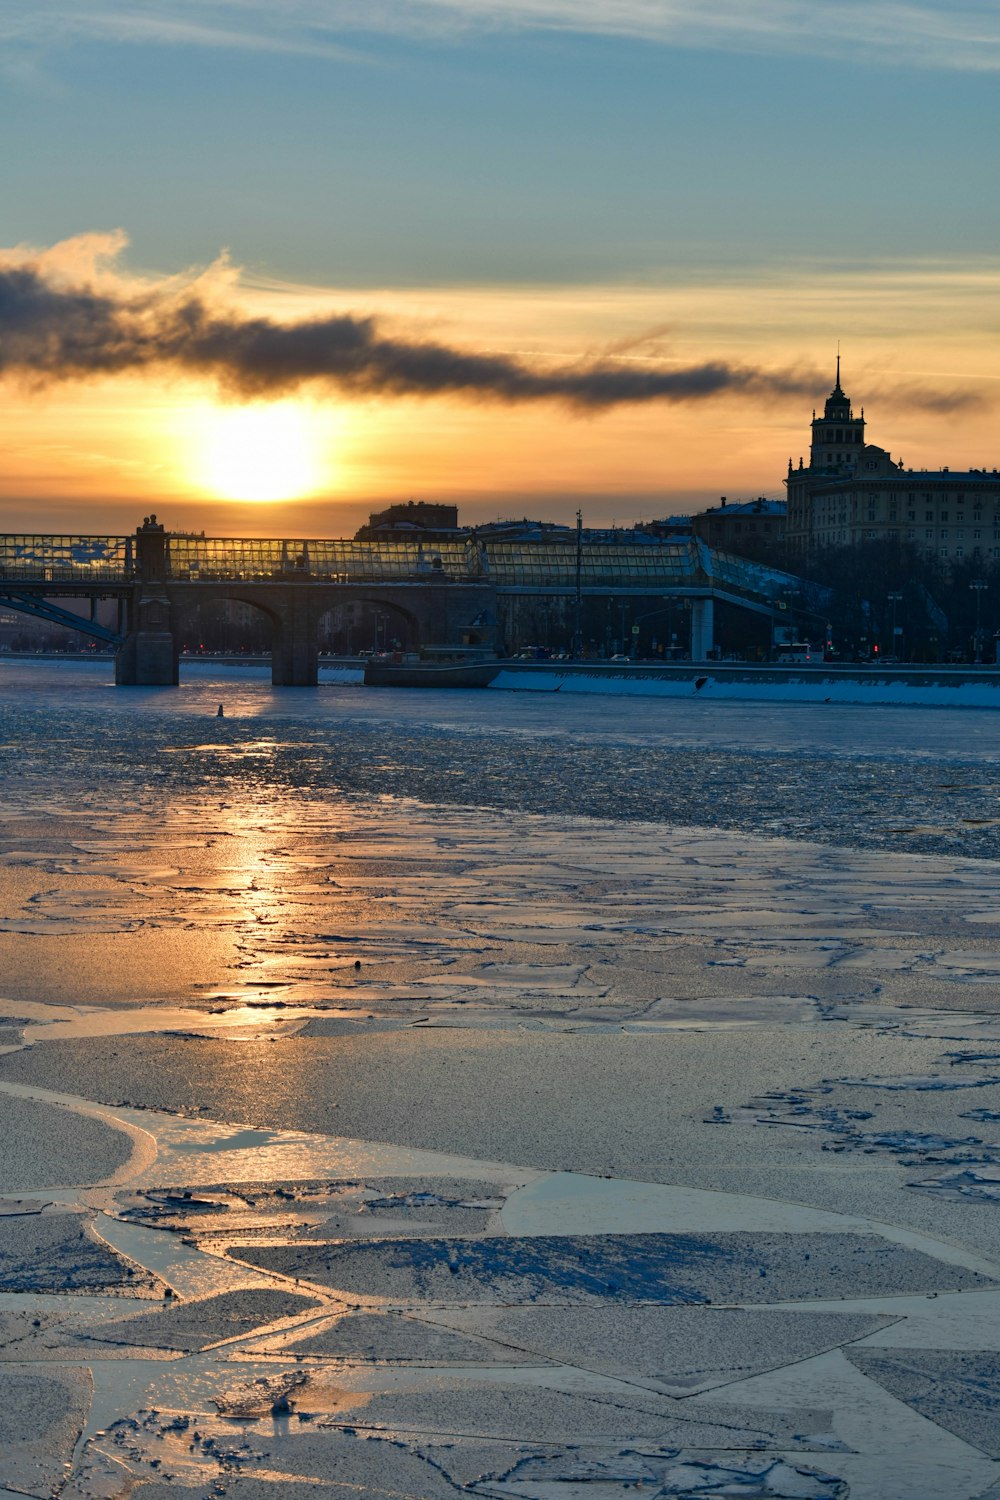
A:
x,y
42,1414
541,1413
388,1467
959,1390
563,1270
896,1454
731,872
675,1350
59,1251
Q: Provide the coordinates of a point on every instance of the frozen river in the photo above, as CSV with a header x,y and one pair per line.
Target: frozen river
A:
x,y
877,777
518,1095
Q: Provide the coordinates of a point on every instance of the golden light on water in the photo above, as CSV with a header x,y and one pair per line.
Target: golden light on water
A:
x,y
277,451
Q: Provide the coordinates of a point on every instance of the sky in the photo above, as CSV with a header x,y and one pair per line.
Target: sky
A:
x,y
269,265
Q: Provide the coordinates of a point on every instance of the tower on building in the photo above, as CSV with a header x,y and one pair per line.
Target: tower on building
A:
x,y
838,436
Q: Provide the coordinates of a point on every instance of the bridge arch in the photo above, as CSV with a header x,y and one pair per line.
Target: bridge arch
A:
x,y
366,621
226,621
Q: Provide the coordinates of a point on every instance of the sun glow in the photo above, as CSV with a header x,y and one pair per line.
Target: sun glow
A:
x,y
260,452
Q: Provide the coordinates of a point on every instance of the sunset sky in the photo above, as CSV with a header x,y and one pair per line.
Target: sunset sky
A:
x,y
269,266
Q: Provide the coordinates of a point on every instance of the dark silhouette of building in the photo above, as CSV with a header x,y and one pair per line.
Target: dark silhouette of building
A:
x,y
435,522
749,528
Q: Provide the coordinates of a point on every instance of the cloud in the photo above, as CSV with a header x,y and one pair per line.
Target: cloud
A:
x,y
963,34
57,324
68,314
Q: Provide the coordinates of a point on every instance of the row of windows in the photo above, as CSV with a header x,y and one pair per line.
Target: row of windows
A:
x,y
911,515
959,551
56,558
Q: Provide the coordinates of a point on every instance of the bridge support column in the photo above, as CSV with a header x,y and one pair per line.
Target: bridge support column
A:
x,y
148,655
294,653
702,628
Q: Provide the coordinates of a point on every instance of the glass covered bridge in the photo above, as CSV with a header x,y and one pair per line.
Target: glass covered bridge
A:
x,y
435,585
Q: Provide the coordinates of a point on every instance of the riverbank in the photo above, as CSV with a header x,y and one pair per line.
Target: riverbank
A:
x,y
927,686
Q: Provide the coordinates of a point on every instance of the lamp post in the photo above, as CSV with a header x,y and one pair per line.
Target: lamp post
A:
x,y
637,621
894,599
578,594
977,585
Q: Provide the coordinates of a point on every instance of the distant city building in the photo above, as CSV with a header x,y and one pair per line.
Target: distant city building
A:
x,y
526,530
853,492
749,528
669,529
420,517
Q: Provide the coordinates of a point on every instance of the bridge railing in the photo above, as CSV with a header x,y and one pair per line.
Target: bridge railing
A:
x,y
26,558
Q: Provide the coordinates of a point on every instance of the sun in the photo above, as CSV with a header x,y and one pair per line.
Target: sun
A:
x,y
258,452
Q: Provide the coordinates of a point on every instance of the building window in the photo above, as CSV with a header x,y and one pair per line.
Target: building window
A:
x,y
960,515
977,515
944,534
942,551
928,536
910,535
959,551
911,515
944,515
976,535
929,516
870,535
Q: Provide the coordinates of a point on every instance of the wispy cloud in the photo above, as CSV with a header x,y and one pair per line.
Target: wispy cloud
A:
x,y
951,34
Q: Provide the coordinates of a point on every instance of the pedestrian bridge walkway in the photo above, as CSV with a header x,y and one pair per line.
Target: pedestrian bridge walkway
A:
x,y
79,564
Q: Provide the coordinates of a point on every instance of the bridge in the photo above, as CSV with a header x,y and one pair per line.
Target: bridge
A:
x,y
445,594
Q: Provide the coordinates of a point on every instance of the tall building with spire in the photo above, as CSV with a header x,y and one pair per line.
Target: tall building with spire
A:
x,y
852,492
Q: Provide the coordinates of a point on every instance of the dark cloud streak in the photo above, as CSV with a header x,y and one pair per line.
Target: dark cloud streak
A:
x,y
51,333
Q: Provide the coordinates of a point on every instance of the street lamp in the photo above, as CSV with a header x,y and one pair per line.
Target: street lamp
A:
x,y
894,599
637,621
977,585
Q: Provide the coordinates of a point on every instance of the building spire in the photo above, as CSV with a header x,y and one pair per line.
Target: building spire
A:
x,y
837,390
